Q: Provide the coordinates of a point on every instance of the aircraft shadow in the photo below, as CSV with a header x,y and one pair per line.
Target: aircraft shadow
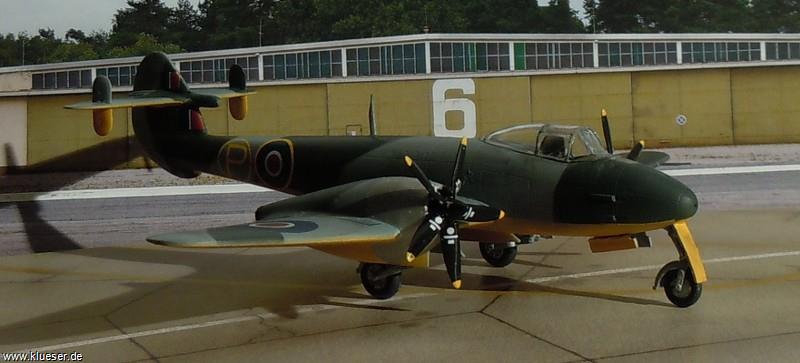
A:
x,y
41,236
483,282
219,282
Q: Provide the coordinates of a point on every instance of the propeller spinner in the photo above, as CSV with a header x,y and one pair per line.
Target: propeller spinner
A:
x,y
444,213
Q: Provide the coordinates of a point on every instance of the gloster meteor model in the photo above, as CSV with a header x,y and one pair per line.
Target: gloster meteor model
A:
x,y
388,201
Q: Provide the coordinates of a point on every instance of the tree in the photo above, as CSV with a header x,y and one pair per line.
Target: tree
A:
x,y
140,17
781,16
183,26
145,44
558,17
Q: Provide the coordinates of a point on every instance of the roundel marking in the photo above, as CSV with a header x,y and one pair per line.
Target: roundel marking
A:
x,y
287,226
274,163
272,225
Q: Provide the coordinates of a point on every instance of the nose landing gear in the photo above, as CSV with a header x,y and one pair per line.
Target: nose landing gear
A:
x,y
682,279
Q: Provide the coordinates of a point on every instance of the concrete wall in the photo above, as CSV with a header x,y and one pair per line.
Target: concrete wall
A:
x,y
13,130
721,106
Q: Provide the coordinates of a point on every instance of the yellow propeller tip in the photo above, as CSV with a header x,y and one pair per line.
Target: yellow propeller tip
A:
x,y
641,142
457,284
409,161
410,257
603,112
502,214
464,141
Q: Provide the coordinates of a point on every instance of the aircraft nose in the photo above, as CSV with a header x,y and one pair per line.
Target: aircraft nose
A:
x,y
621,191
686,205
648,195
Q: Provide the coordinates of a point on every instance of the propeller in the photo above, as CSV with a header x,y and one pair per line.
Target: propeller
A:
x,y
444,214
635,151
606,131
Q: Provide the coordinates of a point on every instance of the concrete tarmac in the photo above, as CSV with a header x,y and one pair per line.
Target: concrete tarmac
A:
x,y
556,303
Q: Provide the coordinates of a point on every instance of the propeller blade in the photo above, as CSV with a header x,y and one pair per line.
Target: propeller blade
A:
x,y
474,212
451,252
424,235
607,131
462,148
423,179
637,149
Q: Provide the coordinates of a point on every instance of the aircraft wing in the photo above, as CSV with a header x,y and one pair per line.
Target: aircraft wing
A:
x,y
652,158
306,230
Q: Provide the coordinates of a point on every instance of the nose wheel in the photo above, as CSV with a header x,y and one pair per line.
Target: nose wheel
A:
x,y
680,286
683,279
381,281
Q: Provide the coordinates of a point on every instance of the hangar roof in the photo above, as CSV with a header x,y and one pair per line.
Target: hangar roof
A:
x,y
423,56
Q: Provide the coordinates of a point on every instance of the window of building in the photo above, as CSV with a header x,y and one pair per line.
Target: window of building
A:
x,y
469,57
711,52
545,55
62,79
625,54
386,60
783,50
318,64
216,70
118,76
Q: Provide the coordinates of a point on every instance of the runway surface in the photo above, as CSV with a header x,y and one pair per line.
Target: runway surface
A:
x,y
118,299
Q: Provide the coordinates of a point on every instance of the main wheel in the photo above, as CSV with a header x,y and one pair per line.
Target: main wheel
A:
x,y
498,256
379,280
682,293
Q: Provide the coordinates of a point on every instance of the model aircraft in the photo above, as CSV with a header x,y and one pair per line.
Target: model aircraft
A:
x,y
388,201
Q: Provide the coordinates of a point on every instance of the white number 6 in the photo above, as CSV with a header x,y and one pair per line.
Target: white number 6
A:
x,y
442,105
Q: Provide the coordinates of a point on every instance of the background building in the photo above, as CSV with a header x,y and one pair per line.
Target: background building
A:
x,y
667,89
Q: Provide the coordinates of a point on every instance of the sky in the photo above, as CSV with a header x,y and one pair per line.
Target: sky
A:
x,y
88,15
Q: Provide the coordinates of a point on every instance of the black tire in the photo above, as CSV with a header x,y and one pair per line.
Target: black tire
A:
x,y
690,292
498,256
379,288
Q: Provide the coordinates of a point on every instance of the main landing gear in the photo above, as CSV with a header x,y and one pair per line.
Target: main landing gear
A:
x,y
498,254
683,279
381,281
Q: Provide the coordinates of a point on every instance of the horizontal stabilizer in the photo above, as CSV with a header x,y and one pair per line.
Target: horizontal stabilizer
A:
x,y
126,103
223,93
308,230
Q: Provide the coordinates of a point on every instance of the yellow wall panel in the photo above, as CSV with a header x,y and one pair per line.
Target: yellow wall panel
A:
x,y
284,110
402,107
703,96
501,102
577,99
54,132
766,104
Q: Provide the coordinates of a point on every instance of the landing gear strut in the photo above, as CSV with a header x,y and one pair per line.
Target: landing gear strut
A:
x,y
682,279
498,254
380,281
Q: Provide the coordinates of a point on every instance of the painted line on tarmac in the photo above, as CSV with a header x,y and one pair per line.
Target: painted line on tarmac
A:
x,y
207,324
733,170
132,192
248,188
615,271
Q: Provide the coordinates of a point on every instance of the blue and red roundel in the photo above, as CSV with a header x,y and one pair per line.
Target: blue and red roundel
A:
x,y
275,162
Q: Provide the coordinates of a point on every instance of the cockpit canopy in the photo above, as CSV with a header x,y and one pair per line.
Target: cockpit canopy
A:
x,y
558,142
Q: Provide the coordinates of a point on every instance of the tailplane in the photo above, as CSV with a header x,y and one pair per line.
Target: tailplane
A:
x,y
164,108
